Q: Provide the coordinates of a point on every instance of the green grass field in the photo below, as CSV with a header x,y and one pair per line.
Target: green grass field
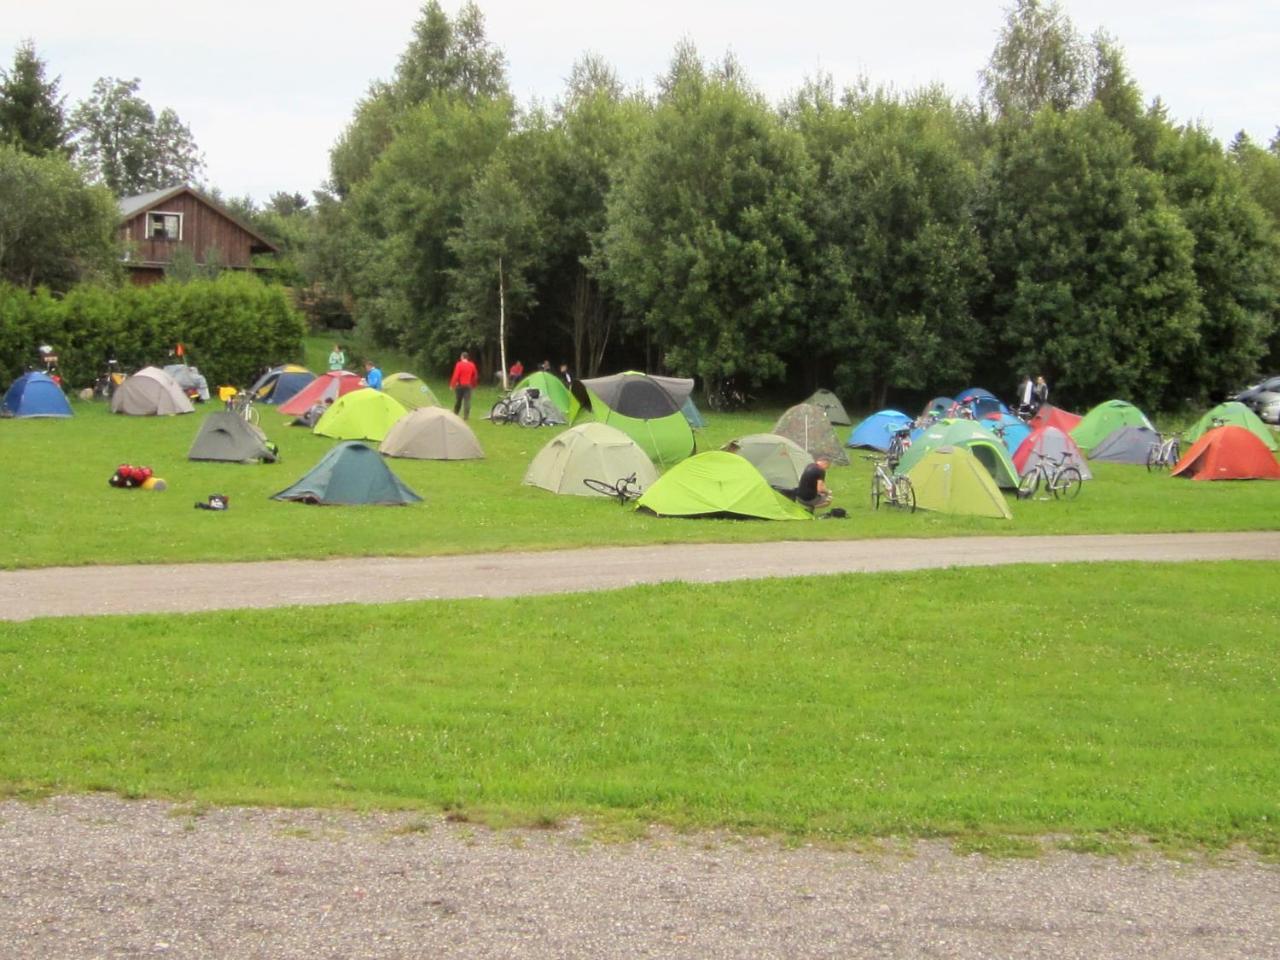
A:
x,y
1093,701
58,509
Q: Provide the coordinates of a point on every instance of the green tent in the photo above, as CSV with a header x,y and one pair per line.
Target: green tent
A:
x,y
829,402
549,386
1236,414
362,414
809,427
970,434
644,409
589,451
412,392
1105,419
229,438
350,474
718,484
779,460
951,480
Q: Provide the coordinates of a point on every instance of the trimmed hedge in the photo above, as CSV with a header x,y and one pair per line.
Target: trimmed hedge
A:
x,y
231,327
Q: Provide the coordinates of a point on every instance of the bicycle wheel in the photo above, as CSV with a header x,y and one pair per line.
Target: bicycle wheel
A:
x,y
251,415
531,416
904,494
600,487
877,491
1154,460
500,413
1066,485
1028,485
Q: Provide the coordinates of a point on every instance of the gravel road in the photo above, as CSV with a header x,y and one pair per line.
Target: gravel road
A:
x,y
100,877
175,588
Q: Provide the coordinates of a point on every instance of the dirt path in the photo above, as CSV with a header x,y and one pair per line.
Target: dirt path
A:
x,y
25,594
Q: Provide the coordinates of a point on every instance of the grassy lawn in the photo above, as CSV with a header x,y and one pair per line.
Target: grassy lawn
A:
x,y
58,508
1090,700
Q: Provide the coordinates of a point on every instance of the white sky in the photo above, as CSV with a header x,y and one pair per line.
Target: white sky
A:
x,y
267,86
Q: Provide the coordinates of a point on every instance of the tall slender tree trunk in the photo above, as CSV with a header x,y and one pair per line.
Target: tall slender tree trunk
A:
x,y
502,325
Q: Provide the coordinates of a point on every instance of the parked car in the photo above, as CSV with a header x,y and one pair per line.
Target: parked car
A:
x,y
1250,397
1267,406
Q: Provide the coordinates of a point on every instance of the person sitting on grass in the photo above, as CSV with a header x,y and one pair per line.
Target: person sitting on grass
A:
x,y
812,491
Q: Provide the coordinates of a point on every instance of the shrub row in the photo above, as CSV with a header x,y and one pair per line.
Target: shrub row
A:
x,y
231,328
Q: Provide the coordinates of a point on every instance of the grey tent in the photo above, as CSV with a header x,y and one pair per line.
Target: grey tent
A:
x,y
809,427
1126,445
350,474
149,393
432,433
780,460
228,438
829,402
589,450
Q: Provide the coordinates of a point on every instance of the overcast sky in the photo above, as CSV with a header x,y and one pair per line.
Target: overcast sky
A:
x,y
267,86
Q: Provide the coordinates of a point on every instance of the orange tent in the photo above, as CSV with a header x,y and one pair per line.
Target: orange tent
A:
x,y
331,385
1050,416
1228,453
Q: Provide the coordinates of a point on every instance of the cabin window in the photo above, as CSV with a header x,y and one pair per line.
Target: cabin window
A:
x,y
164,226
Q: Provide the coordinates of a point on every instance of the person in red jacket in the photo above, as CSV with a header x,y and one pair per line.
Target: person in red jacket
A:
x,y
465,379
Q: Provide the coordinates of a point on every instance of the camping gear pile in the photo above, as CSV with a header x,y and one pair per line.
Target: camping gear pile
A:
x,y
129,477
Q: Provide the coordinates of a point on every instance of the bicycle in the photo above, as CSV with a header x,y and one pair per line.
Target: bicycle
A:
x,y
624,490
241,404
726,397
1165,453
1058,477
518,408
899,444
108,381
892,489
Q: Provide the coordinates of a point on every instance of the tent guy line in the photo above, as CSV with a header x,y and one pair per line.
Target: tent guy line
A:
x,y
185,588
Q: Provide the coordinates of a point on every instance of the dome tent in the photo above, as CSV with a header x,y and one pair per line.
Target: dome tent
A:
x,y
1008,428
550,386
229,438
1104,419
950,479
1128,444
411,391
779,460
644,408
1228,453
588,451
150,393
431,433
1232,413
988,449
362,414
280,384
718,484
808,426
829,402
1050,443
350,474
35,394
327,386
876,432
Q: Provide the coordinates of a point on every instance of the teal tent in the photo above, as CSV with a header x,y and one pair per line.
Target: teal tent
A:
x,y
350,474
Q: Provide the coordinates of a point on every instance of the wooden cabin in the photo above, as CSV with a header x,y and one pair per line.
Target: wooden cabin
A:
x,y
154,225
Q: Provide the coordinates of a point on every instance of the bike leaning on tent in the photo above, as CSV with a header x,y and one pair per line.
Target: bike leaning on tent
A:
x,y
1057,477
1164,454
891,489
241,404
518,407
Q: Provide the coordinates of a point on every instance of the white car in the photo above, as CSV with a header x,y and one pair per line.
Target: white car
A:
x,y
1268,406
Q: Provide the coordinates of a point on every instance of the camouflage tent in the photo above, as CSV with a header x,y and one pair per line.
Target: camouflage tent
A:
x,y
809,427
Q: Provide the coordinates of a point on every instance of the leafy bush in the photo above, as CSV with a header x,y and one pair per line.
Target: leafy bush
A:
x,y
231,327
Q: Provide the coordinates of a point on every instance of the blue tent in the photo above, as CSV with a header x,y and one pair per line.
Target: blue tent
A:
x,y
875,432
974,392
35,395
692,414
1012,430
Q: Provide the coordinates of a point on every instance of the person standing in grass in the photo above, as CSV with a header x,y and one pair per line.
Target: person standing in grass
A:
x,y
465,379
337,357
372,375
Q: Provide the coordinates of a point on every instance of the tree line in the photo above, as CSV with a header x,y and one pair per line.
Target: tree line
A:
x,y
882,243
